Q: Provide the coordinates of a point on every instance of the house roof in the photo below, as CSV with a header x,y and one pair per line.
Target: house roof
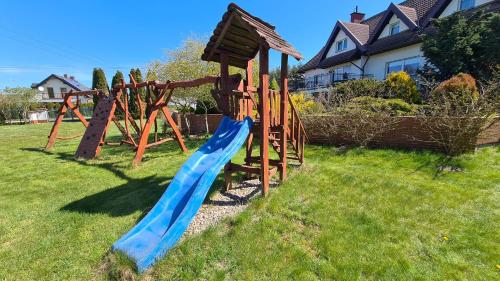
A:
x,y
419,12
406,14
413,10
74,84
400,40
340,58
240,34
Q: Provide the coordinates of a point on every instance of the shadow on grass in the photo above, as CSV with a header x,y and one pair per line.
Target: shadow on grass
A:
x,y
134,195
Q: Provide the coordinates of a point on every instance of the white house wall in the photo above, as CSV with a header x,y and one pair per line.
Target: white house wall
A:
x,y
312,72
57,84
341,35
387,29
455,5
376,64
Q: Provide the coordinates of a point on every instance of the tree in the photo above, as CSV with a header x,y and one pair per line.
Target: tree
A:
x,y
184,63
99,82
458,44
21,100
274,84
117,78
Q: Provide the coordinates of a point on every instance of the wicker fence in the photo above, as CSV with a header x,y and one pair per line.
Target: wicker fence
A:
x,y
407,133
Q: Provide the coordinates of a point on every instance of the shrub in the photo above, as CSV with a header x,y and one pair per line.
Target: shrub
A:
x,y
343,92
403,87
458,113
305,104
394,107
462,88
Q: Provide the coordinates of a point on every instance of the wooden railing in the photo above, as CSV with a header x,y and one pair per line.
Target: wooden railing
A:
x,y
297,133
243,104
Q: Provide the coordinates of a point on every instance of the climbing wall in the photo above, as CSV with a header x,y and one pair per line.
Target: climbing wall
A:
x,y
93,139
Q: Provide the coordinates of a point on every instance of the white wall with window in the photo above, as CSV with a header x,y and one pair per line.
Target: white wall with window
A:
x,y
341,44
394,26
458,5
407,58
53,91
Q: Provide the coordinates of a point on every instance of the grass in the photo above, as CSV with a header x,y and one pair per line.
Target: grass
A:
x,y
344,215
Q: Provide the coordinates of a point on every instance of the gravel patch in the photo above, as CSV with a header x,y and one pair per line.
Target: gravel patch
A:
x,y
225,204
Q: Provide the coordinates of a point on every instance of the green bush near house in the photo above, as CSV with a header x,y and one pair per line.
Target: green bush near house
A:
x,y
362,87
395,107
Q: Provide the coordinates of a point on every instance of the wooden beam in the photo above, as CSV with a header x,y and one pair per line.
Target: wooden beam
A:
x,y
264,116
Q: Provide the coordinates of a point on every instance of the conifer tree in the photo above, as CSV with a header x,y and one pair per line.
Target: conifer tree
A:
x,y
99,82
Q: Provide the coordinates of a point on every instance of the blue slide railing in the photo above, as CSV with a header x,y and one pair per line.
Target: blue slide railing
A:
x,y
164,225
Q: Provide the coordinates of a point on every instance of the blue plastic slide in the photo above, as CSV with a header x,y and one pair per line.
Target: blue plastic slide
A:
x,y
160,229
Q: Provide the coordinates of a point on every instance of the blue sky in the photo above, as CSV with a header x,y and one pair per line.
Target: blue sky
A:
x,y
38,38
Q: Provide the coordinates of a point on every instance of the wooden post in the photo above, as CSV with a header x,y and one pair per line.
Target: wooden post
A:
x,y
283,114
225,83
249,109
264,116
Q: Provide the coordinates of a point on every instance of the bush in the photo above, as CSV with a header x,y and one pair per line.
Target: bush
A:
x,y
305,103
362,87
462,88
403,87
343,92
457,113
394,107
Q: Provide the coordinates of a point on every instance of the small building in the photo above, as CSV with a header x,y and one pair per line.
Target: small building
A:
x,y
53,88
386,42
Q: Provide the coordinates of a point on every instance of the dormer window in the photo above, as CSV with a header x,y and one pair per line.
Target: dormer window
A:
x,y
466,4
341,45
394,28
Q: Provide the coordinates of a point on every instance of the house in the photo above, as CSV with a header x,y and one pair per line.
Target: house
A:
x,y
386,42
53,88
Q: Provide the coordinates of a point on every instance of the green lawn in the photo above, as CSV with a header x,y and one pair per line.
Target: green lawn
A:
x,y
344,215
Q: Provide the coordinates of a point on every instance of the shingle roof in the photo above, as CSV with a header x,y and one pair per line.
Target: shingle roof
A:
x,y
340,58
312,63
74,84
400,40
239,34
411,13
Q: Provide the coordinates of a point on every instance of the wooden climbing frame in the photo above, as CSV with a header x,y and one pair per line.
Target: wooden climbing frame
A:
x,y
63,109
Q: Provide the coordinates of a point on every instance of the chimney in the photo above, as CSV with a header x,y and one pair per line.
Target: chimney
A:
x,y
357,17
72,77
65,75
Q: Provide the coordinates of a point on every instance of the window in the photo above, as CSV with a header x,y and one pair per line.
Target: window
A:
x,y
342,73
394,29
50,91
342,45
409,65
466,4
63,91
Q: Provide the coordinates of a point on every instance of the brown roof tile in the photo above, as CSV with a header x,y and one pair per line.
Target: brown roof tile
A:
x,y
360,31
411,13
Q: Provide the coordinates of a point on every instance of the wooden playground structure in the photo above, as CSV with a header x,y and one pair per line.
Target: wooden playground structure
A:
x,y
237,40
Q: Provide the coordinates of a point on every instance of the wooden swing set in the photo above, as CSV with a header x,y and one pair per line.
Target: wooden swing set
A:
x,y
236,41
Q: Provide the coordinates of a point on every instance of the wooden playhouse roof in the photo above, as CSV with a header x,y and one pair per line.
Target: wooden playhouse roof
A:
x,y
239,34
